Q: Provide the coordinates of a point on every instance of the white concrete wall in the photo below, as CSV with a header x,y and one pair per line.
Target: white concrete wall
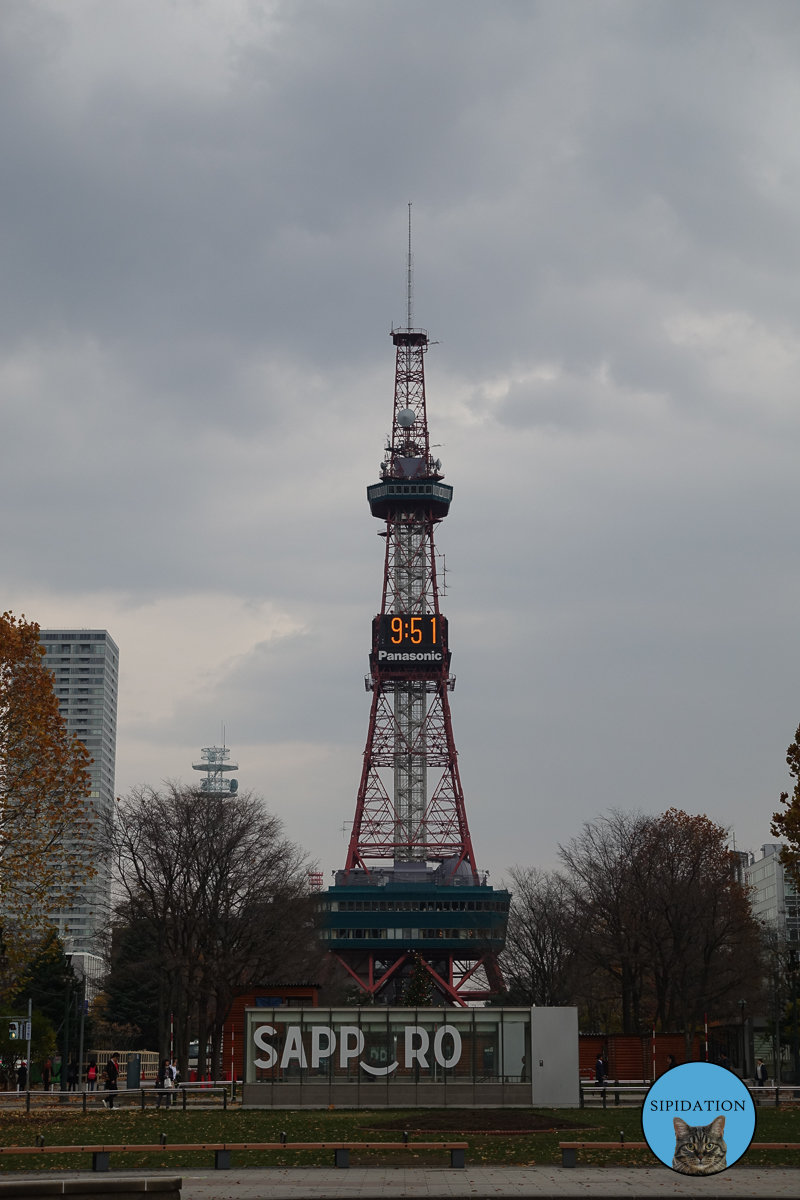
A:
x,y
554,1051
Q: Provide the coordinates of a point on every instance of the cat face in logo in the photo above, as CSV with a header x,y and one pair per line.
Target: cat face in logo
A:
x,y
699,1149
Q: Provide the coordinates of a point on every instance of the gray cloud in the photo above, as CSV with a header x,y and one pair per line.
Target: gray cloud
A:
x,y
201,244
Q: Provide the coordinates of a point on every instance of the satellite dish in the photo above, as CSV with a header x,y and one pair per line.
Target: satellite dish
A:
x,y
406,417
438,464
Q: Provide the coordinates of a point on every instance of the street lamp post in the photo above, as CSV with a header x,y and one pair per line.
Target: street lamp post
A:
x,y
778,965
793,964
742,1007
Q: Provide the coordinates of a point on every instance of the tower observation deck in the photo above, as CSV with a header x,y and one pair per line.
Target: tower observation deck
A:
x,y
410,884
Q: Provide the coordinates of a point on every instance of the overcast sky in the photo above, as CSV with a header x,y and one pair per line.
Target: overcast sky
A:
x,y
202,237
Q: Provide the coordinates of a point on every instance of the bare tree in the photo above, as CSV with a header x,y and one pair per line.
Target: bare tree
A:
x,y
538,960
609,925
224,894
703,944
659,912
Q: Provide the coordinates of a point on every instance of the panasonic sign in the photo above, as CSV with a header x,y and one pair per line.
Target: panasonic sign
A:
x,y
417,1048
398,656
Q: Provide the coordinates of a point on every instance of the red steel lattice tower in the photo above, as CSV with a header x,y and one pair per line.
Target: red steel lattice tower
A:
x,y
410,728
410,805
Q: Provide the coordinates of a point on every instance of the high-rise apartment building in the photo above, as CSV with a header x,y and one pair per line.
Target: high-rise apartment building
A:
x,y
85,663
774,899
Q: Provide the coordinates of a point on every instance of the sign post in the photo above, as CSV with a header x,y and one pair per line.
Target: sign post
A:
x,y
28,1059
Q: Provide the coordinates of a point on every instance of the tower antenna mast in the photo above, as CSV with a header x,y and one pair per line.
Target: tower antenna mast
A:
x,y
410,279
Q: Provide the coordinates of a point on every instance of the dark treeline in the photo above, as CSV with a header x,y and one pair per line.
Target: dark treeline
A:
x,y
215,899
644,923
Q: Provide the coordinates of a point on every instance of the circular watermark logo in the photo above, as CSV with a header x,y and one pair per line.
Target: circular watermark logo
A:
x,y
698,1118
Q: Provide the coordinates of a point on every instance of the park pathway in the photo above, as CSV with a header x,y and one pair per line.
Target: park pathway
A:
x,y
475,1183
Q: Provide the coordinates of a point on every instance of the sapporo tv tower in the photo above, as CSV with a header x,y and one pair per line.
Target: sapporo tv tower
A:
x,y
431,901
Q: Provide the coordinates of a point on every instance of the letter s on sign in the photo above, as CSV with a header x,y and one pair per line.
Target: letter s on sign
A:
x,y
258,1038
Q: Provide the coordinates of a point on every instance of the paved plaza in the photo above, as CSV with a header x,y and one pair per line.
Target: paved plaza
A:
x,y
378,1183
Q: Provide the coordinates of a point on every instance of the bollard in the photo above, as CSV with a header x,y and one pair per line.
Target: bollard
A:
x,y
27,1102
605,1105
341,1158
616,1099
224,1099
84,1100
222,1160
183,1089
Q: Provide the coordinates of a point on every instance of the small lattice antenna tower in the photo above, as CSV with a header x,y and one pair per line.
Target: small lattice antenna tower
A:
x,y
410,278
215,764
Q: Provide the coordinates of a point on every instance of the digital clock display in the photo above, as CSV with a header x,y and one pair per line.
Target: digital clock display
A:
x,y
410,638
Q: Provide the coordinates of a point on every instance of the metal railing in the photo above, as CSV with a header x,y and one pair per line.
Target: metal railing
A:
x,y
219,1094
617,1095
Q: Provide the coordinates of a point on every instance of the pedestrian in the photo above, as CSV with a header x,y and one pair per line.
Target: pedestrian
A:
x,y
22,1076
671,1062
163,1081
72,1077
175,1076
91,1076
725,1062
599,1070
111,1076
761,1073
47,1072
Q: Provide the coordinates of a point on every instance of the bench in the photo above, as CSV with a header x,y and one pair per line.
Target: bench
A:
x,y
569,1149
222,1150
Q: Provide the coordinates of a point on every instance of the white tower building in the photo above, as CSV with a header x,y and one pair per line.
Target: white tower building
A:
x,y
85,663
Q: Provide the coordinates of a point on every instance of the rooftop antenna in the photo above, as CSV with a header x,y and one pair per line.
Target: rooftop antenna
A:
x,y
215,764
410,282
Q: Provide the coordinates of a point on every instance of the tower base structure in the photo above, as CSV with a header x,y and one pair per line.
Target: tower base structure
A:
x,y
378,925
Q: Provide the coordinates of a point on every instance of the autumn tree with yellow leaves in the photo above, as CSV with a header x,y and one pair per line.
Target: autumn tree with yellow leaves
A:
x,y
786,824
45,812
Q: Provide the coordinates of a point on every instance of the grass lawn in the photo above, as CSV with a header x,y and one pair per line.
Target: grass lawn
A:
x,y
132,1126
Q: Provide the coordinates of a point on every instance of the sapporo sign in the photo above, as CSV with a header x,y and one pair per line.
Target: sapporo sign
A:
x,y
416,1041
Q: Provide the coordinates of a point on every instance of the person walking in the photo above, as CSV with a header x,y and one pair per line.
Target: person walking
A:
x,y
22,1077
670,1062
599,1070
175,1077
163,1081
72,1077
91,1076
725,1062
761,1073
47,1072
111,1077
